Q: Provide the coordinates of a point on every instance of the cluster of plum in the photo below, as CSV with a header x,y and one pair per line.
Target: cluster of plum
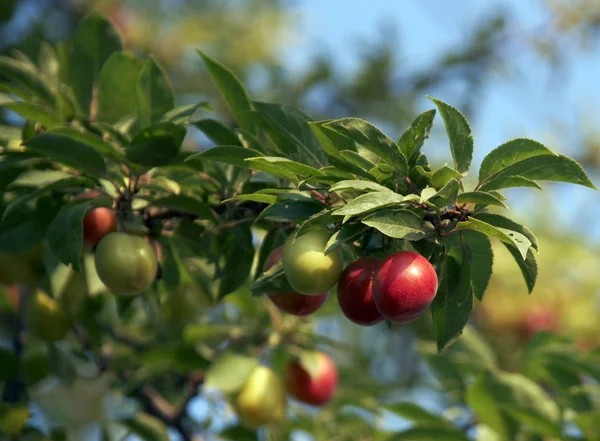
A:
x,y
370,290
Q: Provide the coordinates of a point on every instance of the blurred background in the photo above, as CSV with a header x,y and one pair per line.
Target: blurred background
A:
x,y
517,68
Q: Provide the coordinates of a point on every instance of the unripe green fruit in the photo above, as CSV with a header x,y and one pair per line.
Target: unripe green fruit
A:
x,y
125,263
262,399
308,270
45,317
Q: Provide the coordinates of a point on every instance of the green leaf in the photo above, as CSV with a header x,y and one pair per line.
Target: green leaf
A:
x,y
255,197
290,210
231,89
229,372
510,182
28,77
510,237
482,397
414,137
399,224
358,185
270,163
371,138
147,427
345,234
538,423
459,135
227,154
414,413
508,224
332,142
238,259
479,197
271,281
154,93
528,266
371,201
453,303
316,222
288,128
38,178
94,41
65,234
182,114
67,151
186,204
430,431
35,113
104,148
70,183
9,368
447,194
481,257
588,423
426,194
218,132
556,168
509,153
442,176
116,87
156,145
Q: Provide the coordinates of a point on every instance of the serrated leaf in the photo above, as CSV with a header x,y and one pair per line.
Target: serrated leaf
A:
x,y
116,87
371,138
227,154
528,266
218,132
399,224
270,163
509,153
447,194
94,41
479,197
289,129
459,135
511,237
231,89
65,234
345,234
510,182
482,258
414,137
156,145
453,304
558,168
68,151
154,93
358,185
369,202
504,222
426,194
331,141
229,372
442,176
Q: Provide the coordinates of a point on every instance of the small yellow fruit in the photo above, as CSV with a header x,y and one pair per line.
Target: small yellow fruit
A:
x,y
45,317
262,399
308,270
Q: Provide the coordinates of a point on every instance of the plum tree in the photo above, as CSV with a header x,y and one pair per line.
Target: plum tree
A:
x,y
315,387
98,223
355,294
292,302
262,399
404,286
308,269
125,263
45,317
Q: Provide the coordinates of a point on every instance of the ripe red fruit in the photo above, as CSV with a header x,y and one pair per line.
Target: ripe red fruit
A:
x,y
317,389
538,319
292,302
98,223
355,291
404,286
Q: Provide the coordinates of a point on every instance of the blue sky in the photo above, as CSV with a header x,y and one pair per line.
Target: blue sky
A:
x,y
533,101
